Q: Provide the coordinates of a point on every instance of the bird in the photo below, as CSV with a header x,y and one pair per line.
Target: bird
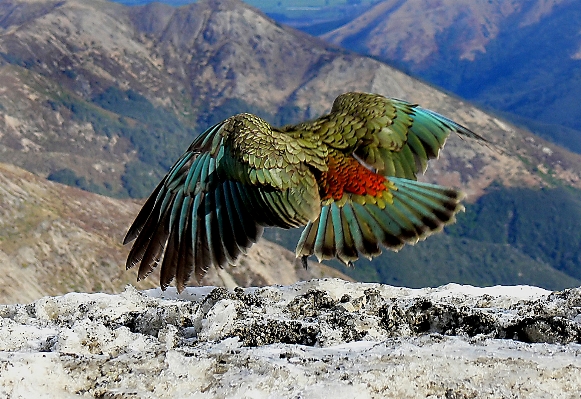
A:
x,y
349,177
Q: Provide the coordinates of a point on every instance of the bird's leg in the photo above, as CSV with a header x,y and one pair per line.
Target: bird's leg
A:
x,y
304,261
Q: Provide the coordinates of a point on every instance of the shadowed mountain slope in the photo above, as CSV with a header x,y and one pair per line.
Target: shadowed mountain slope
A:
x,y
56,239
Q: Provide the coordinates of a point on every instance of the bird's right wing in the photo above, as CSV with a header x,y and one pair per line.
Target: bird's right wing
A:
x,y
394,137
235,178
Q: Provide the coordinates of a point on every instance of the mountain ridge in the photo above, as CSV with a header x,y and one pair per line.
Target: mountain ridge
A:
x,y
517,57
67,90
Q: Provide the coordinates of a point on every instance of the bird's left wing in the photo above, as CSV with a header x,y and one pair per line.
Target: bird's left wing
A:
x,y
235,178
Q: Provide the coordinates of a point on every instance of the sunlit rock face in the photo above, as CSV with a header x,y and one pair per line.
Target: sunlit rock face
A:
x,y
315,339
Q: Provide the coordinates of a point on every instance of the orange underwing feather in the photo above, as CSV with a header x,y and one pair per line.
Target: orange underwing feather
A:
x,y
346,174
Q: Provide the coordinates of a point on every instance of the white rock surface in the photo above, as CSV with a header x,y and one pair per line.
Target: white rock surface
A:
x,y
317,339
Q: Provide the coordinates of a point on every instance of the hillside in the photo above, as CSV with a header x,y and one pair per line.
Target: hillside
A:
x,y
105,97
519,57
56,239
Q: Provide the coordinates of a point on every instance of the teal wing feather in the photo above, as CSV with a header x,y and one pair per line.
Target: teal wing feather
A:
x,y
235,178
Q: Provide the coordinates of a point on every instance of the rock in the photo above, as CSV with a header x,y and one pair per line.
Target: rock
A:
x,y
313,339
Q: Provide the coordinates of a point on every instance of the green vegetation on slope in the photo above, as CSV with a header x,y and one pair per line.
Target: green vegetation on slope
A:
x,y
543,224
443,259
156,133
70,178
509,236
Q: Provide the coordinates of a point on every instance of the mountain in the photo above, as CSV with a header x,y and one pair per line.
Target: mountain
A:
x,y
56,239
105,97
519,57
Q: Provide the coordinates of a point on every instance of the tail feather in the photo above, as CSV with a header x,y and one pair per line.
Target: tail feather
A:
x,y
412,221
307,240
409,224
346,249
432,192
352,228
431,202
365,240
324,240
378,234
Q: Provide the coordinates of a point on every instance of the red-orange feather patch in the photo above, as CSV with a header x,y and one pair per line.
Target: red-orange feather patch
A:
x,y
347,175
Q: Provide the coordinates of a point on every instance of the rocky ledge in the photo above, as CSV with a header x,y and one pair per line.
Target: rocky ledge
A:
x,y
316,339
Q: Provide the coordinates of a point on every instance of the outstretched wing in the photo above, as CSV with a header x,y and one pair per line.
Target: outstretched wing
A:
x,y
394,137
235,178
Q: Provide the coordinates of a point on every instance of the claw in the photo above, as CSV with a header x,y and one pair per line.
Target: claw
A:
x,y
304,261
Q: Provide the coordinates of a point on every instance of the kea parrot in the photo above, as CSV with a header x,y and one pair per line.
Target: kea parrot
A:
x,y
349,177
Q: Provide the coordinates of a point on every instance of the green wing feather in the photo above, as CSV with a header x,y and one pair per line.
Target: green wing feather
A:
x,y
394,137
